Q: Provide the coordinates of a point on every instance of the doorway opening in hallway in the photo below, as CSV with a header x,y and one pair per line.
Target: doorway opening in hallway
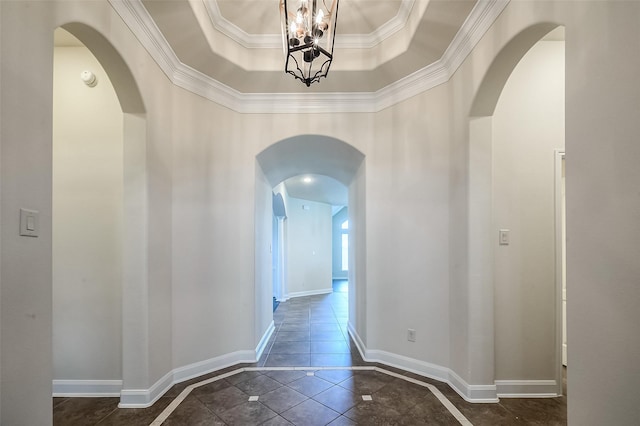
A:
x,y
310,204
516,131
310,237
310,258
87,218
98,211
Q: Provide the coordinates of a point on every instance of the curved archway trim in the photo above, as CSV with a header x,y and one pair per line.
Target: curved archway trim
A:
x,y
314,154
136,370
481,230
486,99
311,154
119,73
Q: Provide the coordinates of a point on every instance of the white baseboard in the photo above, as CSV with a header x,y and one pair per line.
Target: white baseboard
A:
x,y
86,388
205,367
479,394
527,388
309,293
143,398
356,339
425,369
265,339
471,393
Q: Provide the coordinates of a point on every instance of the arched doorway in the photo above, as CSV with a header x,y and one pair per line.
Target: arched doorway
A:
x,y
126,219
315,155
86,223
516,129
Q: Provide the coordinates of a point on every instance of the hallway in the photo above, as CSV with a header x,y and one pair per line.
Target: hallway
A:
x,y
311,374
312,332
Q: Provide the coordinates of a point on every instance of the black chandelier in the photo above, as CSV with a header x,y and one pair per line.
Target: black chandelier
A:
x,y
308,31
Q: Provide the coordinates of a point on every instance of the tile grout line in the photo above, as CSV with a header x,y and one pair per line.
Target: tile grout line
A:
x,y
338,322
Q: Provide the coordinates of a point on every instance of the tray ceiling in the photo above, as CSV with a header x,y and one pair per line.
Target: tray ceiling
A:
x,y
378,42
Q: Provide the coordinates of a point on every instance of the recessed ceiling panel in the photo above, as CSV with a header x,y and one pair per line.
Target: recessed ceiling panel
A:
x,y
430,26
366,16
251,16
263,17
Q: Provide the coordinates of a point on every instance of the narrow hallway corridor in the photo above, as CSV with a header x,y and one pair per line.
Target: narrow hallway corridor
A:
x,y
312,332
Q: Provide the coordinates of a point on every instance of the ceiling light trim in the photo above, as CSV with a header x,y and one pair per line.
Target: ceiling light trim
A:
x,y
274,41
137,18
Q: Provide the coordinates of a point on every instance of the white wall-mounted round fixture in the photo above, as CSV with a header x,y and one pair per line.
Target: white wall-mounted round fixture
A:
x,y
89,78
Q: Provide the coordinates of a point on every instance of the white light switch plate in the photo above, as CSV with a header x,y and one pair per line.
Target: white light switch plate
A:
x,y
503,237
29,223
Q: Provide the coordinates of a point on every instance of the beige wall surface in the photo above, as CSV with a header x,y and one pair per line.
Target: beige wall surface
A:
x,y
87,221
264,290
201,165
528,127
309,247
600,119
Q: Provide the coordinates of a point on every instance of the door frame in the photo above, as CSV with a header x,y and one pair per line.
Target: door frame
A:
x,y
559,157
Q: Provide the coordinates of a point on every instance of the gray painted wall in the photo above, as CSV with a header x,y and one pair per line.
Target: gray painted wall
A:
x,y
308,247
199,164
523,168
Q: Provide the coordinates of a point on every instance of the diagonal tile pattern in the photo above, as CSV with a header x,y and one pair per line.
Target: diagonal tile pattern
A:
x,y
308,399
318,386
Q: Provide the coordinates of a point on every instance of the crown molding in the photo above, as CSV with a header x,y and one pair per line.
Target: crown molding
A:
x,y
144,28
274,41
482,16
136,17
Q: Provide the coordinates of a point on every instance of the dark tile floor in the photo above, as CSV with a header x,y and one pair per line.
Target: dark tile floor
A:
x,y
311,335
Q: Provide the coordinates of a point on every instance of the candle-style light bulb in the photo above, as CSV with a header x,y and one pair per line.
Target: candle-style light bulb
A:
x,y
293,40
319,16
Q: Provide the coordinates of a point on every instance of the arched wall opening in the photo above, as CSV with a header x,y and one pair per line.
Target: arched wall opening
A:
x,y
99,205
317,155
86,222
516,129
304,233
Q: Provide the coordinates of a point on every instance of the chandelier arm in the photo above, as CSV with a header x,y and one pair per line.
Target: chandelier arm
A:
x,y
329,55
301,47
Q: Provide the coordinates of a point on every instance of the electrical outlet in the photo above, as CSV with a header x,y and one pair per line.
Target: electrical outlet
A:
x,y
411,335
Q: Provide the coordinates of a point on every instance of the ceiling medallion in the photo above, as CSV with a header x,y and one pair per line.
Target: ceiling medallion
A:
x,y
308,31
